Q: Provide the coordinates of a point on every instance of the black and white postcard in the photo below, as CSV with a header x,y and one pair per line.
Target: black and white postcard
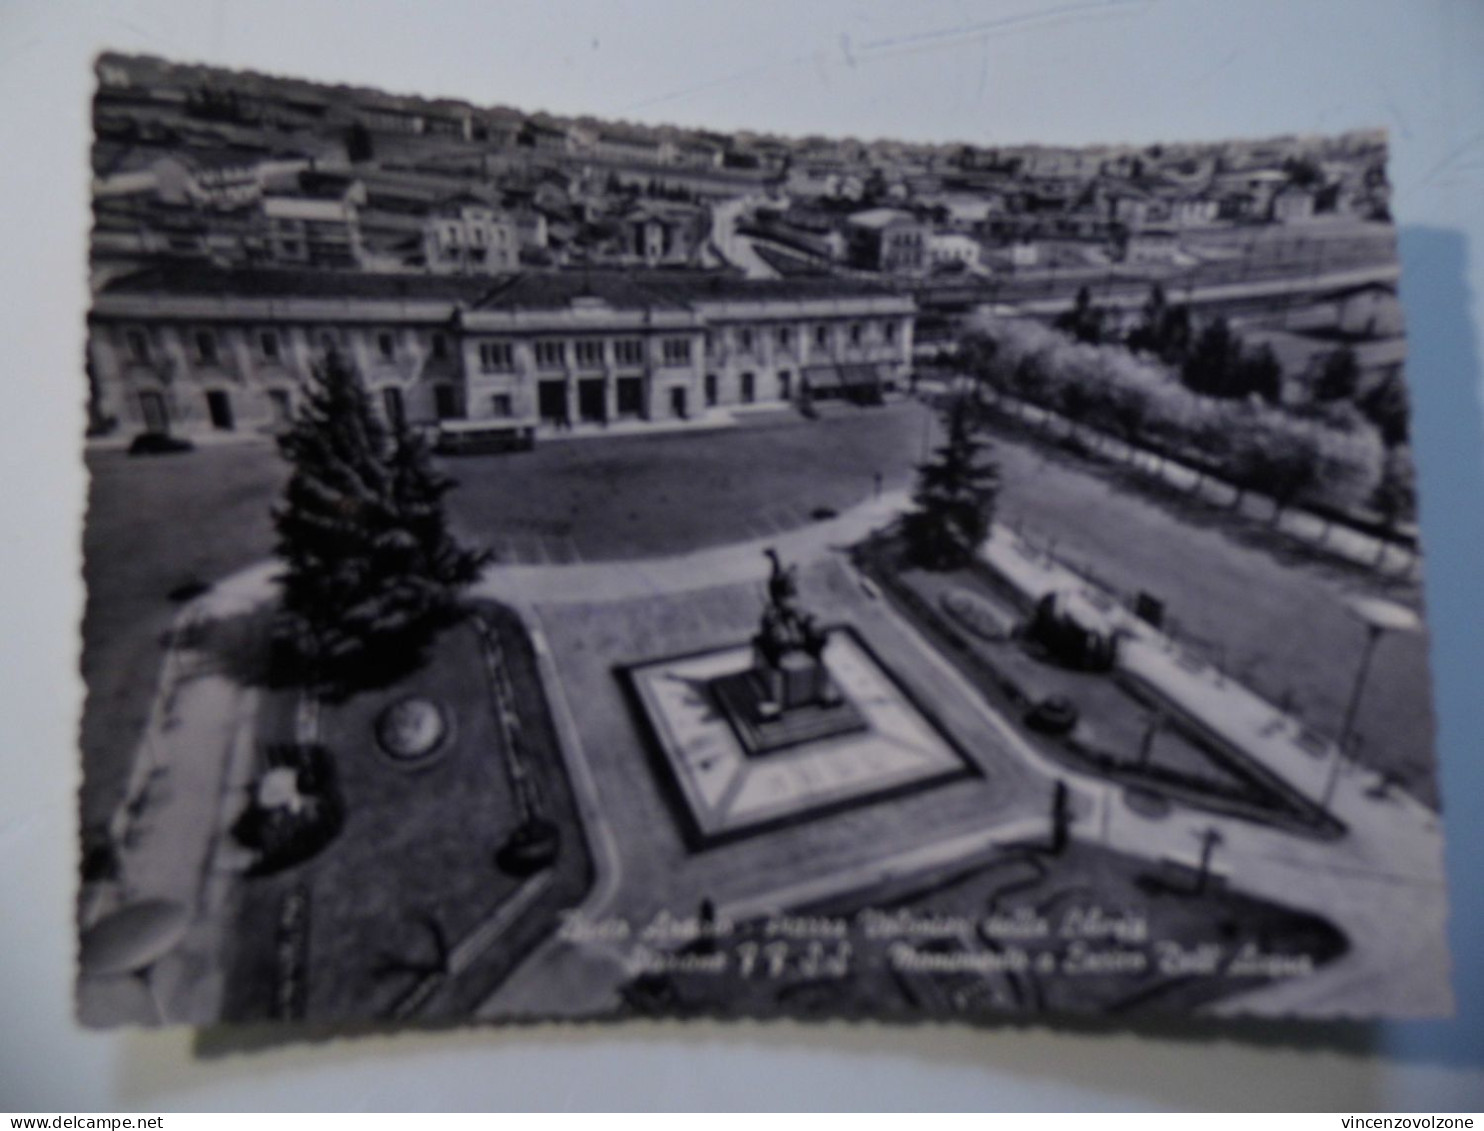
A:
x,y
546,567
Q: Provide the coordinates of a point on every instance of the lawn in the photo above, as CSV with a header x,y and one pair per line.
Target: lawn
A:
x,y
415,860
1114,723
643,496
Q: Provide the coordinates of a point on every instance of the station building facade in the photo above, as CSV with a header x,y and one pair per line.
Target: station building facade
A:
x,y
192,350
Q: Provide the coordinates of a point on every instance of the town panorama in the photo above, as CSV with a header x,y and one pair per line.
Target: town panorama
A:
x,y
558,567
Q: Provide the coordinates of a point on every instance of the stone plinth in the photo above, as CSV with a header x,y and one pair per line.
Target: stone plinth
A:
x,y
750,706
739,770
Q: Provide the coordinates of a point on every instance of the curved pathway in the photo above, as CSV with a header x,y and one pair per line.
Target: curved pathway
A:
x,y
738,562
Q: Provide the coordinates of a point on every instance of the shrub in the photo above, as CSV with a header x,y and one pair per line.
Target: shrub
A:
x,y
283,838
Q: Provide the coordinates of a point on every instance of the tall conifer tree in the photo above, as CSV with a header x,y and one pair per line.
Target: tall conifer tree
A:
x,y
372,570
956,493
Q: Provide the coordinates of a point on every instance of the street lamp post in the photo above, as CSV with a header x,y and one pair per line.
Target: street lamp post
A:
x,y
1210,838
1378,616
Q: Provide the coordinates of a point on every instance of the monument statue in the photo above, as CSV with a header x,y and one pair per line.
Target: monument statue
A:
x,y
788,649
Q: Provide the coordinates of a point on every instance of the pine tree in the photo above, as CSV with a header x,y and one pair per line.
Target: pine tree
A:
x,y
1148,335
1212,368
955,497
372,571
1174,335
1385,405
1262,373
1083,321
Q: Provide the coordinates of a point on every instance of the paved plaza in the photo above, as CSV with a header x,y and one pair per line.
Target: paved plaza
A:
x,y
849,848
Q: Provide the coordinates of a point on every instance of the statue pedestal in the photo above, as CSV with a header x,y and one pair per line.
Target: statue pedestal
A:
x,y
739,771
772,709
798,681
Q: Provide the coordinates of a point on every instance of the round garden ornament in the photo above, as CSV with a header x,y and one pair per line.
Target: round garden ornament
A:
x,y
411,729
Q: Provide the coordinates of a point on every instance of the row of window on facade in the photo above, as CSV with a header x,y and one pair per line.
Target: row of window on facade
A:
x,y
206,347
747,387
497,357
453,235
784,340
500,356
449,402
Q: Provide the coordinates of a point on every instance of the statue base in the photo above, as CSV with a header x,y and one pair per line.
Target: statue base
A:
x,y
771,714
738,769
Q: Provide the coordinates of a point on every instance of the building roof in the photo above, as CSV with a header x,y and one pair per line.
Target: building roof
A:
x,y
676,289
663,210
627,137
207,281
879,217
207,159
456,204
317,184
535,290
952,239
305,208
1376,285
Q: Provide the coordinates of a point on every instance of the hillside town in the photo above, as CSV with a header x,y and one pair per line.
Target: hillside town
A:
x,y
203,173
237,170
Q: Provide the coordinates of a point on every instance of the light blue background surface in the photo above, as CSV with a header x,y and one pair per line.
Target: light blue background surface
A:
x,y
1011,71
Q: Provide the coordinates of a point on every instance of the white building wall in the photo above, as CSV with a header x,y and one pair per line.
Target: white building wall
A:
x,y
243,372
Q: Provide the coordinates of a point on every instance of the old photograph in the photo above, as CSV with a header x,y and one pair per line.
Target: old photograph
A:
x,y
562,567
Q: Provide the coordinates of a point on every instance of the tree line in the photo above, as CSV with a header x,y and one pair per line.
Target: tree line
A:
x,y
1204,399
1214,362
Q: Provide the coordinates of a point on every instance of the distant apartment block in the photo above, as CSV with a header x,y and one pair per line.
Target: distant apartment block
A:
x,y
312,232
954,249
468,236
885,239
661,234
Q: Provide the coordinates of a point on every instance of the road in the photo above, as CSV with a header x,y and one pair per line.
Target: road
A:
x,y
737,248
